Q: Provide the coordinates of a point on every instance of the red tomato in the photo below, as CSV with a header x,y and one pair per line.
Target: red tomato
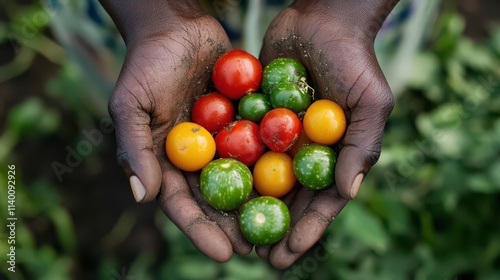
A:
x,y
213,111
240,140
280,129
236,73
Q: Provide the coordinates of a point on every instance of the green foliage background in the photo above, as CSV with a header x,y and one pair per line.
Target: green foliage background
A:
x,y
428,209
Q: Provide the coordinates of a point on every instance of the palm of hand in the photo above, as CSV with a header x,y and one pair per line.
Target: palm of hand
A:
x,y
161,77
342,67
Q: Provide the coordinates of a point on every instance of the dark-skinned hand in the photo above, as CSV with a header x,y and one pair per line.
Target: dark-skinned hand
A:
x,y
168,65
334,41
161,77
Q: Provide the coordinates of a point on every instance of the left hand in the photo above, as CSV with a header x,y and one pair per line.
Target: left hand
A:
x,y
334,41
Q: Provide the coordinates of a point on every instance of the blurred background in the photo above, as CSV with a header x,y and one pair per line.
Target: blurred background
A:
x,y
429,209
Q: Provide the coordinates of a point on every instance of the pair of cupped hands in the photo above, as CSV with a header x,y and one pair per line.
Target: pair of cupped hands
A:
x,y
166,69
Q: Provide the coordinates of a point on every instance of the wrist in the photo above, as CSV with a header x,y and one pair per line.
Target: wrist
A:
x,y
136,20
362,18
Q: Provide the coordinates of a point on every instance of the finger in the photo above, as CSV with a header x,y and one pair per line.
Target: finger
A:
x,y
263,251
134,140
178,204
371,102
323,208
228,222
302,200
289,199
280,256
318,216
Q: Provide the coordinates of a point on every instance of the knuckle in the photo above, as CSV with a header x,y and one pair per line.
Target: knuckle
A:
x,y
113,104
122,158
122,101
372,155
386,101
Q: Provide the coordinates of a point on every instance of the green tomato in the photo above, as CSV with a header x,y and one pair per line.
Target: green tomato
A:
x,y
282,70
226,183
264,220
314,166
292,96
254,106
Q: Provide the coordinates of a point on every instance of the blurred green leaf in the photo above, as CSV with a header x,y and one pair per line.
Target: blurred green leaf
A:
x,y
480,183
108,267
44,196
44,263
495,39
77,94
425,70
64,229
58,270
494,174
120,230
238,269
491,275
29,22
448,32
365,226
390,208
25,238
474,55
3,32
21,63
140,268
204,270
32,118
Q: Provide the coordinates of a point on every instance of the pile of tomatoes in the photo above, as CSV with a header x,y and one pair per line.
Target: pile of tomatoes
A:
x,y
265,141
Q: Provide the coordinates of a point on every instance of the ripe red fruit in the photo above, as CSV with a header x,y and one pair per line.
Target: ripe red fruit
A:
x,y
280,129
240,140
213,111
237,73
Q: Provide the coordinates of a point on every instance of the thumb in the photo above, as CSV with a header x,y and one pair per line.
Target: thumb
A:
x,y
370,102
128,109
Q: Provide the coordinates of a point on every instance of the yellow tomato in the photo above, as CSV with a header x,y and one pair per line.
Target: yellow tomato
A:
x,y
189,146
324,122
273,174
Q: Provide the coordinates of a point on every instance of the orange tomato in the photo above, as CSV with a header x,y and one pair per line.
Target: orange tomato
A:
x,y
273,174
189,146
324,122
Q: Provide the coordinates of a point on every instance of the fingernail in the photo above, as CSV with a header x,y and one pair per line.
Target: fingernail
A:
x,y
137,188
353,192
